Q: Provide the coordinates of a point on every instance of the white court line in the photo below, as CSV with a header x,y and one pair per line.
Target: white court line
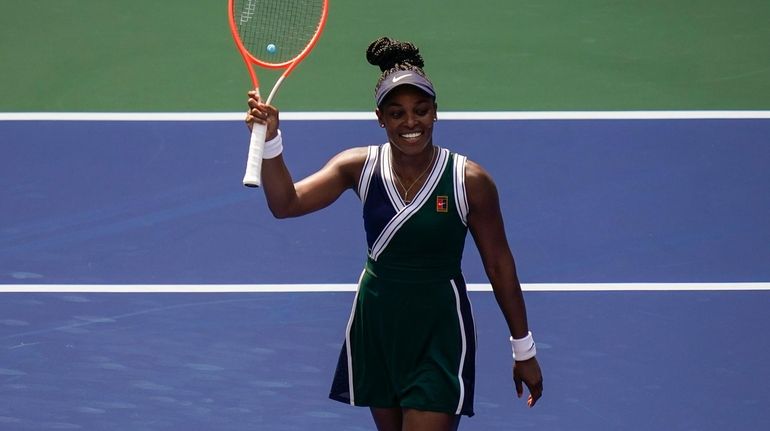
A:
x,y
289,288
305,116
490,115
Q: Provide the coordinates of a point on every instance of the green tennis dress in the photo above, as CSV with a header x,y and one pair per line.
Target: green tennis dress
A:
x,y
410,340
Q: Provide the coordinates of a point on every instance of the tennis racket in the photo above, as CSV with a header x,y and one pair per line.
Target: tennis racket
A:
x,y
273,34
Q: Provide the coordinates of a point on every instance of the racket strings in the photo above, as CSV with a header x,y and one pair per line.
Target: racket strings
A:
x,y
285,26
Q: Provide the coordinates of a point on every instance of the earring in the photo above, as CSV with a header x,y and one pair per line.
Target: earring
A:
x,y
382,125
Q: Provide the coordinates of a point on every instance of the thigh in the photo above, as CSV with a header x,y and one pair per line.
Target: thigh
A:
x,y
387,419
419,420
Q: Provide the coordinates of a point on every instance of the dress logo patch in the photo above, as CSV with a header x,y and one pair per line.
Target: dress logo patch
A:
x,y
442,204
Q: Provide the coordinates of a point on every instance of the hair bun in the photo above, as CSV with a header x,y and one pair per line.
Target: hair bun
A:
x,y
387,53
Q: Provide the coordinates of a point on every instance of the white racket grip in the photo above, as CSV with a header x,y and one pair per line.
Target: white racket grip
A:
x,y
253,176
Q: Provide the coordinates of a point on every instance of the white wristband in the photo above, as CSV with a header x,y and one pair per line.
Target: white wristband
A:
x,y
273,147
523,348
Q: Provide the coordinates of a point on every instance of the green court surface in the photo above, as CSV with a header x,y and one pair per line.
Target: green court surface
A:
x,y
510,55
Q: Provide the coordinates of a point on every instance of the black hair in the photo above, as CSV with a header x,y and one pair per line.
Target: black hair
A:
x,y
387,54
392,55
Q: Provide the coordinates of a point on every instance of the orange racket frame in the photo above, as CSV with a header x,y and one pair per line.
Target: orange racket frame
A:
x,y
254,162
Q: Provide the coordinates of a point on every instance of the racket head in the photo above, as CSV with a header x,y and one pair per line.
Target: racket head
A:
x,y
292,26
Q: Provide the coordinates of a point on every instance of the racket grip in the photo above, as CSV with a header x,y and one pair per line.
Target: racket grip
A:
x,y
253,175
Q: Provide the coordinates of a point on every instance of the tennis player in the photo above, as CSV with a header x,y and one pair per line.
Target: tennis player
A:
x,y
409,349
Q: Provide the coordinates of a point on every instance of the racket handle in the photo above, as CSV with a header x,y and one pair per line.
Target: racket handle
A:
x,y
253,176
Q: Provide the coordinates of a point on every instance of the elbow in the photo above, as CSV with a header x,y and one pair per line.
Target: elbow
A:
x,y
282,212
497,274
502,270
279,213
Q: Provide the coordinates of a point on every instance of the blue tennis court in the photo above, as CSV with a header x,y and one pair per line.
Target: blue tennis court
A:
x,y
644,246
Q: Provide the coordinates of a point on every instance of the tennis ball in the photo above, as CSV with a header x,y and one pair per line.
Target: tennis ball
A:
x,y
271,48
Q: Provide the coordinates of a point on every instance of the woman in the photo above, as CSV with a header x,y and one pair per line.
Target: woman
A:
x,y
410,343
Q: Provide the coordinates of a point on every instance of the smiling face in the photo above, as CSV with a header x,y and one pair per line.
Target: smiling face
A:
x,y
408,114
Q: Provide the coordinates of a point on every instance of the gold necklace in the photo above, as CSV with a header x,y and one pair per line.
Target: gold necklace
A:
x,y
408,189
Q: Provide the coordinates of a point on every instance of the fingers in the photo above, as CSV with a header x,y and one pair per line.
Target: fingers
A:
x,y
256,107
535,392
528,373
519,385
259,112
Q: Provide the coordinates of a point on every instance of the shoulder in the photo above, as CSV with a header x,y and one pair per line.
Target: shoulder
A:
x,y
479,184
351,156
476,177
350,162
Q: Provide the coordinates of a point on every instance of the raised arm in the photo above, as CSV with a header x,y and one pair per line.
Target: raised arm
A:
x,y
285,198
486,225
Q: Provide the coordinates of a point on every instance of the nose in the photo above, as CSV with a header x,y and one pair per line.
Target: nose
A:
x,y
411,119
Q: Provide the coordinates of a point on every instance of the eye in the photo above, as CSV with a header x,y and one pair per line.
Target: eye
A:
x,y
422,109
396,113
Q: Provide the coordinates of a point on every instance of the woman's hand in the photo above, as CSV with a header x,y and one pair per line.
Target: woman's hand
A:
x,y
261,113
528,373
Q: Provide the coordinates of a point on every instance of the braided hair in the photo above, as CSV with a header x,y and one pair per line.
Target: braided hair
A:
x,y
392,55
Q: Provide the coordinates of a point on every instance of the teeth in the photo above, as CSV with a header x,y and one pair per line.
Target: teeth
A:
x,y
412,135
